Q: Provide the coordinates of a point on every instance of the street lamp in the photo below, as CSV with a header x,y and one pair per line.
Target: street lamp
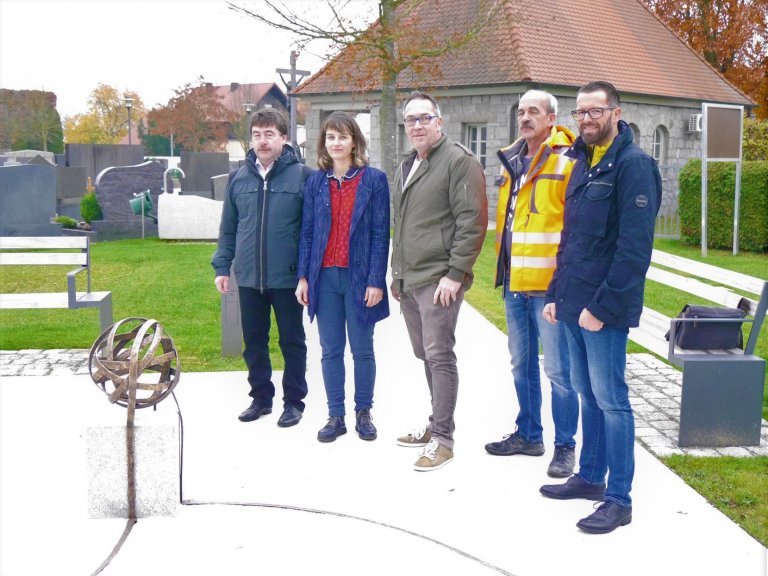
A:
x,y
128,102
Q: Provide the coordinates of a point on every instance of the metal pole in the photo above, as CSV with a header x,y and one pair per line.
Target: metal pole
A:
x,y
704,207
142,216
736,209
129,126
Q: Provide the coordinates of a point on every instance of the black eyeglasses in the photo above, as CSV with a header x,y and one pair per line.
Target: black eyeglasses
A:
x,y
593,113
424,120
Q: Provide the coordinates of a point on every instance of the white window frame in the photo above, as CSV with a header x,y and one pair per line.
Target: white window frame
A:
x,y
476,139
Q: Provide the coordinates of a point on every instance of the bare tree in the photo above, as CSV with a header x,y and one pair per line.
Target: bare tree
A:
x,y
374,56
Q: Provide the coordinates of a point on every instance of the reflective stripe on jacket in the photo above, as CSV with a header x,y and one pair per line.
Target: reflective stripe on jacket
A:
x,y
538,202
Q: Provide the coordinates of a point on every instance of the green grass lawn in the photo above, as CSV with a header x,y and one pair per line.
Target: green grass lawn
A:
x,y
736,486
169,281
173,283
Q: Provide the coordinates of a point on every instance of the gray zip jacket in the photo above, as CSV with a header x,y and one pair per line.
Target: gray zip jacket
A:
x,y
440,217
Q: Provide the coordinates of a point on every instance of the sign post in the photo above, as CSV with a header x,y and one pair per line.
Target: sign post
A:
x,y
721,141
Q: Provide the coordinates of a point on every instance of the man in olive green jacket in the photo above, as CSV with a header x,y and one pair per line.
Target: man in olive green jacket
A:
x,y
440,217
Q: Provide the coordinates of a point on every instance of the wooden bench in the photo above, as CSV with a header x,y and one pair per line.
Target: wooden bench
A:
x,y
54,250
722,394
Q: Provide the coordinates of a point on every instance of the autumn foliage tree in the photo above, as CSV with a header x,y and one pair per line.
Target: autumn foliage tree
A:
x,y
373,56
195,118
29,120
106,121
730,35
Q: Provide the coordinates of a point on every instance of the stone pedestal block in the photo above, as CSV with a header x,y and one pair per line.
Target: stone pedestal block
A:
x,y
157,467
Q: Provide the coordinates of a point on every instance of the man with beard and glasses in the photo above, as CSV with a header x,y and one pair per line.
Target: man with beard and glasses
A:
x,y
529,220
611,204
260,226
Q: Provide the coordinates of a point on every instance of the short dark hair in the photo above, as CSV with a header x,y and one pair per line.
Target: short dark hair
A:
x,y
418,95
344,123
270,117
601,86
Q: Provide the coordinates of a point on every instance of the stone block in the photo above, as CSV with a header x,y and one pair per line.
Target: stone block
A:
x,y
183,217
157,467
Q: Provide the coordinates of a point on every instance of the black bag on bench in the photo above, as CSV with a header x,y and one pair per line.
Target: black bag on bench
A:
x,y
710,335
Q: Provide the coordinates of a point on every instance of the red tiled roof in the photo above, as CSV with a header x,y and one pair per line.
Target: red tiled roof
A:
x,y
235,95
552,42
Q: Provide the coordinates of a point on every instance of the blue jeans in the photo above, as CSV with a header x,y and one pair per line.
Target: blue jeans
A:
x,y
598,361
526,327
335,318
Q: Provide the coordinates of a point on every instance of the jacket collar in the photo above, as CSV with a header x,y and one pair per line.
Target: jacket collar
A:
x,y
287,157
580,149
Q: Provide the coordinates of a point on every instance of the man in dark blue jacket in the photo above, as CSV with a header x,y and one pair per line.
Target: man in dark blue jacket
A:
x,y
260,226
611,203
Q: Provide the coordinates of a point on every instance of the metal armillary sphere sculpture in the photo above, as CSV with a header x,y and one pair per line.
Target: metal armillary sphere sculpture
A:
x,y
134,355
135,358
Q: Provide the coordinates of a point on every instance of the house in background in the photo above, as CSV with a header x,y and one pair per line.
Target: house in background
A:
x,y
558,46
242,100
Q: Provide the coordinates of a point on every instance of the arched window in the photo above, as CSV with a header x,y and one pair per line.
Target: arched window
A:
x,y
660,144
635,133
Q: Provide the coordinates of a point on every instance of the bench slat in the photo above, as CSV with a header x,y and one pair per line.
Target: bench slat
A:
x,y
50,242
707,271
49,299
716,294
35,300
650,335
43,258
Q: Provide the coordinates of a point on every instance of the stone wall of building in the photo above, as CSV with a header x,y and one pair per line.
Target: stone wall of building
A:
x,y
497,113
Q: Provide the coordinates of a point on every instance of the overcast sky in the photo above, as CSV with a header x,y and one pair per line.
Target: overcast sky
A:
x,y
148,46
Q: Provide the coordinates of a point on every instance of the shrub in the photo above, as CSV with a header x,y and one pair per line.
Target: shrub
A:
x,y
721,186
89,208
66,221
755,139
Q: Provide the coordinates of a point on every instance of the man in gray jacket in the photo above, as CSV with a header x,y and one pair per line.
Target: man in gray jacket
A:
x,y
440,218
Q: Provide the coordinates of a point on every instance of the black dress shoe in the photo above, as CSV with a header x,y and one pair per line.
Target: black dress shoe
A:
x,y
606,518
574,487
364,426
254,412
332,430
290,417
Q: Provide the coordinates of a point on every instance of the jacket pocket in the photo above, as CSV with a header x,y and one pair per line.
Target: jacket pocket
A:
x,y
247,210
595,208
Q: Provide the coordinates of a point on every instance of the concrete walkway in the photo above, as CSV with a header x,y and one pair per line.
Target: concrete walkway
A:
x,y
264,500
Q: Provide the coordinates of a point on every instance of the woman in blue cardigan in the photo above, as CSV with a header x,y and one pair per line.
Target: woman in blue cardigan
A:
x,y
343,254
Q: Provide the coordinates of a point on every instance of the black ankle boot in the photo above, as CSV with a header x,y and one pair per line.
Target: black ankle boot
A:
x,y
365,428
332,430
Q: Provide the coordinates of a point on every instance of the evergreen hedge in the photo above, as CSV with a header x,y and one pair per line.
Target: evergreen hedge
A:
x,y
753,218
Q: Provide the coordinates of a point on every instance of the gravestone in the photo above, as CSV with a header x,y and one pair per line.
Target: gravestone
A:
x,y
28,200
24,156
96,157
115,188
38,160
219,186
70,188
198,168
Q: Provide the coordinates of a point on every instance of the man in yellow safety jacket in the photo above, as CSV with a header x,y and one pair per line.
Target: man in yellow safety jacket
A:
x,y
529,220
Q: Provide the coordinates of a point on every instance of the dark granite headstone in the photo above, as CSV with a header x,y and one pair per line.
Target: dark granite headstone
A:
x,y
38,160
28,200
198,168
70,188
96,157
60,159
115,188
219,186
